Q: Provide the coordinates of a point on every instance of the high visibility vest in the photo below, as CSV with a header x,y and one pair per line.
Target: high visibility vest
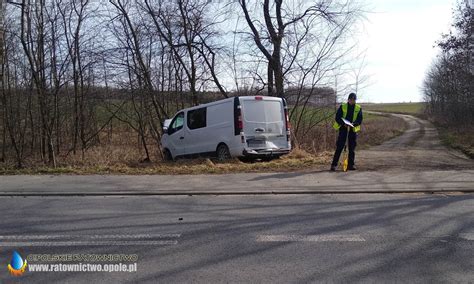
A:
x,y
344,114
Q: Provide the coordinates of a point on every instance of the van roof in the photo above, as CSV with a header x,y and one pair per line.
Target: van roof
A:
x,y
229,99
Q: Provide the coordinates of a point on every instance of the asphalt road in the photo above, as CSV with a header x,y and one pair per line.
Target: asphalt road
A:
x,y
274,238
258,239
253,183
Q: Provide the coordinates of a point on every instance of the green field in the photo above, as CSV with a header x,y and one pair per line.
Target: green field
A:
x,y
403,108
311,114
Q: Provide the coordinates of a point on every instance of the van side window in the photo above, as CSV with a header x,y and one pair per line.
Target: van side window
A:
x,y
176,124
197,118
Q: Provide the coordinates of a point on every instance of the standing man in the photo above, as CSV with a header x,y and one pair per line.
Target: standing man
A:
x,y
353,113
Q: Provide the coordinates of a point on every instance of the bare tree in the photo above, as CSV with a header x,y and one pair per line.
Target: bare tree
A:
x,y
16,103
2,32
449,83
303,43
73,14
33,36
78,71
188,39
278,18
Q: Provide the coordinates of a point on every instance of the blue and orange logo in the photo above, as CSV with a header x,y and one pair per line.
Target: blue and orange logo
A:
x,y
17,265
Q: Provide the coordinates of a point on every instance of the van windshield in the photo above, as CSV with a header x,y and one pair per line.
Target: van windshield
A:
x,y
262,111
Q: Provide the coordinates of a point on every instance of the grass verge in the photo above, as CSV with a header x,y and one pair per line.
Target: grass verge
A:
x,y
297,160
459,139
375,130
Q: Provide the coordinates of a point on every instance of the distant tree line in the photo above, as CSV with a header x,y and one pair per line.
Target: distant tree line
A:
x,y
76,71
449,84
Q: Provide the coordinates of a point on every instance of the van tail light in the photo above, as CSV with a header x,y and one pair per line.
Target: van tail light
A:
x,y
240,123
258,98
288,124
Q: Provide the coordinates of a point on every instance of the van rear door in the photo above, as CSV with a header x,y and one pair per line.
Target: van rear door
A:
x,y
264,122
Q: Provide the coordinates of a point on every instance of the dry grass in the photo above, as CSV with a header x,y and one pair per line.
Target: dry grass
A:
x,y
297,160
120,156
375,130
460,139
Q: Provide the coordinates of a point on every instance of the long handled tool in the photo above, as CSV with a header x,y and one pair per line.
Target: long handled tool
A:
x,y
345,163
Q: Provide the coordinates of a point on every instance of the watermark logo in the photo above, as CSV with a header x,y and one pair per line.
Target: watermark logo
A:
x,y
17,265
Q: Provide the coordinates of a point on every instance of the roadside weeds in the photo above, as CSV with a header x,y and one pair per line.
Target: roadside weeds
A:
x,y
459,139
376,129
296,160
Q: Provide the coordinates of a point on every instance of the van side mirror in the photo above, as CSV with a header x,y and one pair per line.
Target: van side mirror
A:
x,y
166,125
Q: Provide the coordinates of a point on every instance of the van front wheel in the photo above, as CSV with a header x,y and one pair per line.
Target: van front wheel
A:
x,y
222,152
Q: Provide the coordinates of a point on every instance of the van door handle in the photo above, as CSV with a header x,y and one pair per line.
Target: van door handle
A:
x,y
181,138
259,130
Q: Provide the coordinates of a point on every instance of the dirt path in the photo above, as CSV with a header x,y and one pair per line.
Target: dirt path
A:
x,y
418,148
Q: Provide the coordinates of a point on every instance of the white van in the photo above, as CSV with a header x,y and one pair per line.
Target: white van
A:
x,y
254,127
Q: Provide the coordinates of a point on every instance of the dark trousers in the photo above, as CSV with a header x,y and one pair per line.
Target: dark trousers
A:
x,y
341,141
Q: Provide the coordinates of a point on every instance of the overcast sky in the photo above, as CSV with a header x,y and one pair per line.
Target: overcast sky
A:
x,y
399,37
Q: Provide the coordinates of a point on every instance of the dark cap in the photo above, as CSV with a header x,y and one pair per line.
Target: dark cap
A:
x,y
352,96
